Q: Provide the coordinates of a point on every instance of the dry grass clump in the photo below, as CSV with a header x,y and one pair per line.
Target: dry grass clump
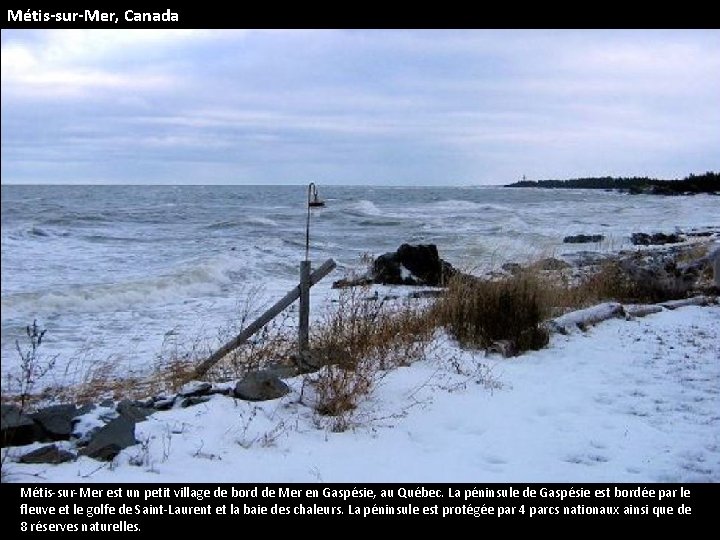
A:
x,y
480,313
338,390
632,284
360,327
360,339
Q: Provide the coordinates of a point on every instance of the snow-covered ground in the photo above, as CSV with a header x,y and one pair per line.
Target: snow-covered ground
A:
x,y
627,401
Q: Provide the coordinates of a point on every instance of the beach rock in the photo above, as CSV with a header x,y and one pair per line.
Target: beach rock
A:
x,y
550,264
260,386
512,267
583,238
134,410
282,371
108,441
657,239
84,408
50,454
713,257
193,400
658,278
195,388
412,265
223,389
56,422
433,293
588,258
164,403
356,282
504,347
16,428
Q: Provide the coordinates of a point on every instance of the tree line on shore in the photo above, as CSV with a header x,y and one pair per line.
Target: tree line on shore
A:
x,y
708,182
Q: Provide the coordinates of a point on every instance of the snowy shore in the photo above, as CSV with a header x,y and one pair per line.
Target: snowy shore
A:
x,y
627,401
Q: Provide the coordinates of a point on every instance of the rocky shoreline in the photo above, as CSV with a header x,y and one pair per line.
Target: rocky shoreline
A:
x,y
682,262
686,267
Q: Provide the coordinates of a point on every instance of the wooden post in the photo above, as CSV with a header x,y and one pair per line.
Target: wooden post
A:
x,y
304,326
261,321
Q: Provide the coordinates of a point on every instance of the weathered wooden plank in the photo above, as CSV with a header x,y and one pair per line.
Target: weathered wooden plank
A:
x,y
261,321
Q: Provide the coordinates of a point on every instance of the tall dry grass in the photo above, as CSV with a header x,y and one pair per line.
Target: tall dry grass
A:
x,y
480,313
359,339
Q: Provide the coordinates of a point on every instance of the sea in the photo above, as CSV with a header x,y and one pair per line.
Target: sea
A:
x,y
123,273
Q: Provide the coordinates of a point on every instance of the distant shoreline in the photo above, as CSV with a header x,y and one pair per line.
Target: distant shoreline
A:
x,y
690,185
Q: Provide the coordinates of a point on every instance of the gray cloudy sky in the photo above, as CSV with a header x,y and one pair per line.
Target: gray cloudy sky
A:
x,y
356,107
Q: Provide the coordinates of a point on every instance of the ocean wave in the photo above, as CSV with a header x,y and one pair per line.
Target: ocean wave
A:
x,y
364,208
74,218
258,220
453,205
381,222
234,224
205,279
222,225
35,233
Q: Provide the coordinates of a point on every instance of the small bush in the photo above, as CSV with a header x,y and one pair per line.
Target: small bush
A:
x,y
338,391
361,327
362,336
480,313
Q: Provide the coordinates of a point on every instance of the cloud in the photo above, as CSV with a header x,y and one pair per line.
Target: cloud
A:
x,y
357,106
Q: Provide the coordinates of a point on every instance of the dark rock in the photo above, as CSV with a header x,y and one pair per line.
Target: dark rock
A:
x,y
221,390
512,267
147,402
588,258
48,454
108,441
412,265
640,239
657,279
583,238
426,294
657,239
164,403
504,347
193,400
134,410
195,388
84,408
16,428
260,386
551,263
282,371
357,282
107,403
56,421
713,258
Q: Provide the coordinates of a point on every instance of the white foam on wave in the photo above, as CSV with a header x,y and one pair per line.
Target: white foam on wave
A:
x,y
365,208
259,220
454,205
204,279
